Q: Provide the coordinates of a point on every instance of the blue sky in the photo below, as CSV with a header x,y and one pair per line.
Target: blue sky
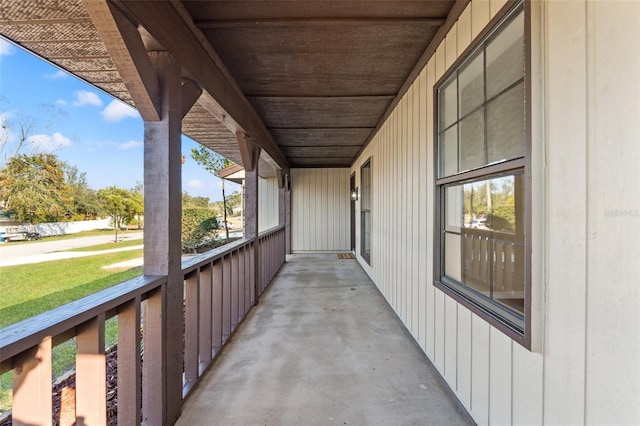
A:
x,y
82,125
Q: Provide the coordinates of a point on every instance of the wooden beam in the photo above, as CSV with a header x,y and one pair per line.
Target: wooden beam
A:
x,y
171,25
128,53
190,94
249,151
306,22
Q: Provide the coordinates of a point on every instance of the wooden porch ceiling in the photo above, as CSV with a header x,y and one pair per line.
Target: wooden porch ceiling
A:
x,y
309,81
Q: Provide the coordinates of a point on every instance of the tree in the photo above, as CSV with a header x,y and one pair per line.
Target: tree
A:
x,y
213,162
17,130
34,188
121,204
191,201
86,205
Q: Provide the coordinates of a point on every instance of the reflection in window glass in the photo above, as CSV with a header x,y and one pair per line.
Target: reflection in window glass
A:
x,y
491,242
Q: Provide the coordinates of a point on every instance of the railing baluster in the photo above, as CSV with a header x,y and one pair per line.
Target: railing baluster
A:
x,y
32,403
216,280
129,363
91,368
242,281
235,291
226,298
191,330
153,382
205,333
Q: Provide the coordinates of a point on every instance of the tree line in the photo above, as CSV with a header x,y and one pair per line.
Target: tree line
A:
x,y
39,188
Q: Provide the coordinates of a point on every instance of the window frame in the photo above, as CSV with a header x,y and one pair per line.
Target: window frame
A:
x,y
364,210
484,307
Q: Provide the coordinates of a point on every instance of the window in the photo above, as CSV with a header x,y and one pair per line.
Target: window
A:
x,y
482,256
365,211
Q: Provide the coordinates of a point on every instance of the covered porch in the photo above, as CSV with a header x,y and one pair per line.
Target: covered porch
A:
x,y
322,347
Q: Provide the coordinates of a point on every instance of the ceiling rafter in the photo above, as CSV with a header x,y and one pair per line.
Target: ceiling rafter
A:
x,y
195,55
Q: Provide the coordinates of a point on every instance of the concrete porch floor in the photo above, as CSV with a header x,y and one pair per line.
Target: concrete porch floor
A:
x,y
322,348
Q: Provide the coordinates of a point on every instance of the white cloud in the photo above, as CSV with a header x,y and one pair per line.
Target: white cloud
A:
x,y
195,184
48,143
118,110
61,102
129,145
6,48
84,97
56,75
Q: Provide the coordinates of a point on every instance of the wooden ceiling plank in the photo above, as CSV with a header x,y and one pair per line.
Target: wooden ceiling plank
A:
x,y
201,60
128,53
293,22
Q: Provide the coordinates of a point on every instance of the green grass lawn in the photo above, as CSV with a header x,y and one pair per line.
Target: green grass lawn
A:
x,y
28,290
77,235
109,246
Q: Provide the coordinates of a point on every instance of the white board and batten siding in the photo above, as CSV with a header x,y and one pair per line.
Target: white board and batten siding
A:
x,y
584,367
268,193
320,210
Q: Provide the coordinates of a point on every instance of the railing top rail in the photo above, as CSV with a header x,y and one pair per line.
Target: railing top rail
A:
x,y
270,231
195,262
23,335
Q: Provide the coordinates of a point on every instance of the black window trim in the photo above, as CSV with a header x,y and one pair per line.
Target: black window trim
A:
x,y
484,307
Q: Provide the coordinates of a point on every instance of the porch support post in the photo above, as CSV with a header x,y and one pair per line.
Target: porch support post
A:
x,y
287,213
162,253
284,206
250,153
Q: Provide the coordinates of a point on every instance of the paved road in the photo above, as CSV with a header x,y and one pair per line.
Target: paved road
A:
x,y
41,251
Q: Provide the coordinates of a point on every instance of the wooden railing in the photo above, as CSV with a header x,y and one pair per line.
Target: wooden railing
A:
x,y
492,261
220,287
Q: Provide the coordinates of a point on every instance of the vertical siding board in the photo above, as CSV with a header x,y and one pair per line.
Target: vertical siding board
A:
x,y
325,210
430,161
451,47
423,216
496,5
480,16
613,379
480,338
439,311
527,387
415,212
500,372
332,209
450,341
405,211
566,221
314,204
464,30
463,377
